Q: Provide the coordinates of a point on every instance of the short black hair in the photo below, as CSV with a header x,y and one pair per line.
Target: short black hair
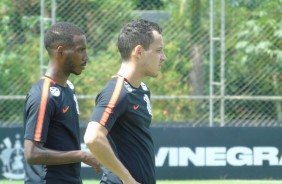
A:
x,y
138,32
61,33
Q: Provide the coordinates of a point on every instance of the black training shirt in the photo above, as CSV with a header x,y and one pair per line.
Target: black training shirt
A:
x,y
126,112
51,116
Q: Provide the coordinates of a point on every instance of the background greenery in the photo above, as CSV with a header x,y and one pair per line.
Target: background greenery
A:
x,y
253,42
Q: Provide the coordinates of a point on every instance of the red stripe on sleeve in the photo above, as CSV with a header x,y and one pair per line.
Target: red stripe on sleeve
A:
x,y
113,101
42,109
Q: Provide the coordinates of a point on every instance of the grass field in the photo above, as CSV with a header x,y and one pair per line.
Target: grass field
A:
x,y
181,182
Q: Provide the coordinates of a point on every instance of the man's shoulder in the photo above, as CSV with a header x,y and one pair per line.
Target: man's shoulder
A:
x,y
45,88
114,88
44,83
115,83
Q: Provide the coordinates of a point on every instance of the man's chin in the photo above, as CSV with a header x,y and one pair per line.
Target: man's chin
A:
x,y
77,72
156,74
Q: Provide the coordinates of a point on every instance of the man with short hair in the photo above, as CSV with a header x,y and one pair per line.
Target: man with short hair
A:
x,y
118,133
51,114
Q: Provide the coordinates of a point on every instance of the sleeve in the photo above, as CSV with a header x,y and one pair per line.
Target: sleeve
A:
x,y
110,103
39,108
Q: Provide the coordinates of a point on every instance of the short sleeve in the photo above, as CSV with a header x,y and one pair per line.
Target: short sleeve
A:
x,y
38,110
110,103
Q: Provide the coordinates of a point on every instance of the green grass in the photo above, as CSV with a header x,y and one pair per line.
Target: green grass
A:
x,y
179,182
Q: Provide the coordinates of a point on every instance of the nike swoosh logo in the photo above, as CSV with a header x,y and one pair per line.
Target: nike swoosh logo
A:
x,y
66,109
135,107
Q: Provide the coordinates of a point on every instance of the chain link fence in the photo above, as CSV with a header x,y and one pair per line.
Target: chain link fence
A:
x,y
224,65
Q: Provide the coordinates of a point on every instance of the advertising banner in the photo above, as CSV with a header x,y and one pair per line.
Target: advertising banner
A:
x,y
218,153
183,153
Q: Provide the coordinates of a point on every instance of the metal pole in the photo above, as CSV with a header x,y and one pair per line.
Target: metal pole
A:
x,y
211,65
53,11
222,63
42,37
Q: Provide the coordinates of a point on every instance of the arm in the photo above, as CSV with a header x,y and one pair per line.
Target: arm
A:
x,y
96,139
35,153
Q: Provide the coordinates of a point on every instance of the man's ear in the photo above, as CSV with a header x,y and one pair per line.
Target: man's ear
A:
x,y
137,51
60,51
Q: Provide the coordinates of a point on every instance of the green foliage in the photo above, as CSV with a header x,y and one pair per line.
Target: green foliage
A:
x,y
258,44
101,19
255,64
252,47
101,67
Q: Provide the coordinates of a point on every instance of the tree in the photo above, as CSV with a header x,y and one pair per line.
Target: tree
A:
x,y
255,63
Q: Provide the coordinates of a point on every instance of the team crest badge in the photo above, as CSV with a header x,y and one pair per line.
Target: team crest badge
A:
x,y
55,91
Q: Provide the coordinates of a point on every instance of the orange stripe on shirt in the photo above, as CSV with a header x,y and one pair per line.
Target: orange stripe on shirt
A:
x,y
42,109
113,101
44,77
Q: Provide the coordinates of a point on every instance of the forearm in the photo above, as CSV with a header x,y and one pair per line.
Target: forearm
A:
x,y
35,153
105,155
96,139
50,157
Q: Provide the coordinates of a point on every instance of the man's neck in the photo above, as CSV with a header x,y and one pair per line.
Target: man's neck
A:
x,y
131,73
58,77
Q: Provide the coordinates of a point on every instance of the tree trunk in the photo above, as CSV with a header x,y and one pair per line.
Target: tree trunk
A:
x,y
197,72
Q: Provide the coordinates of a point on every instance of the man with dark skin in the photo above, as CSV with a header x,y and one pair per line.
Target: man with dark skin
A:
x,y
51,114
